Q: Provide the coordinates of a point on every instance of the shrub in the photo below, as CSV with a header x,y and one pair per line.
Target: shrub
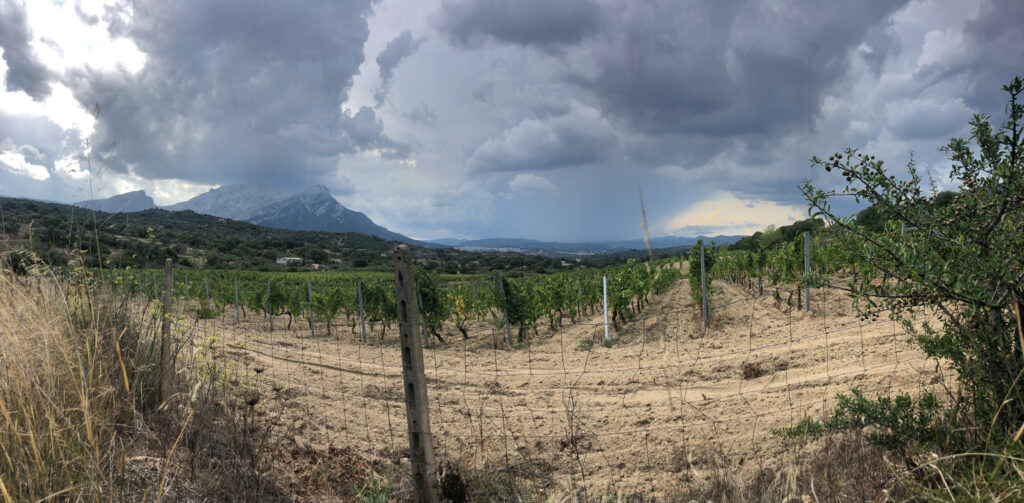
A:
x,y
959,257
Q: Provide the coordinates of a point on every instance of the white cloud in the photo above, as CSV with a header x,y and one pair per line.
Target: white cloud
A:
x,y
528,183
63,41
13,158
727,214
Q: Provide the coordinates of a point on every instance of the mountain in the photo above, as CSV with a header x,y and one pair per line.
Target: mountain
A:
x,y
316,210
557,249
127,202
312,210
237,202
453,242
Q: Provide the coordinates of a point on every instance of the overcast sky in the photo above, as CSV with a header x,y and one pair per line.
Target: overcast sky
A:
x,y
487,118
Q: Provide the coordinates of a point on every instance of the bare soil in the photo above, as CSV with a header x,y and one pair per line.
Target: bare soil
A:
x,y
561,413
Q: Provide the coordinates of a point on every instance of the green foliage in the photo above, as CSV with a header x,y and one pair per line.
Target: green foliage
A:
x,y
893,422
374,490
807,428
960,257
436,305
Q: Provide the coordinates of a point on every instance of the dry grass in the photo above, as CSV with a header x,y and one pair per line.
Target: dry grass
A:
x,y
63,407
838,468
82,416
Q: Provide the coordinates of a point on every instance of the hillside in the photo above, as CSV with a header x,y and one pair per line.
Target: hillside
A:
x,y
190,239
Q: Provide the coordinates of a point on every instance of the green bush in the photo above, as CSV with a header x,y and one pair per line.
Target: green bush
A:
x,y
959,257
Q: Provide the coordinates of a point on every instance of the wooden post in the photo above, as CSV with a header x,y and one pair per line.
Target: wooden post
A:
x,y
807,270
504,311
703,290
270,310
166,351
417,413
236,300
362,313
309,292
207,292
604,290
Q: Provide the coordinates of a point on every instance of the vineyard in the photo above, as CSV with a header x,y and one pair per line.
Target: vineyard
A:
x,y
521,380
337,299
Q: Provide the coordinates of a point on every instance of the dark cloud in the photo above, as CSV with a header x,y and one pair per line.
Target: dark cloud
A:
x,y
24,71
578,138
365,131
397,49
485,91
541,23
85,17
723,68
995,52
235,91
422,114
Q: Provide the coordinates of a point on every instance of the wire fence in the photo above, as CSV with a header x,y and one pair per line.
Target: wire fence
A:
x,y
564,411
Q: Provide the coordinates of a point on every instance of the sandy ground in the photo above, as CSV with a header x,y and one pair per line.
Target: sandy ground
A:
x,y
666,403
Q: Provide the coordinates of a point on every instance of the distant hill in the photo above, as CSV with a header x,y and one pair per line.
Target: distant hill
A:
x,y
312,210
127,202
575,250
58,233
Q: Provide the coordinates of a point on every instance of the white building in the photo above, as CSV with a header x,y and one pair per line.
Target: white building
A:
x,y
289,260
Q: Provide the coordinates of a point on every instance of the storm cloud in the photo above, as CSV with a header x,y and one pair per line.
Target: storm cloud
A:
x,y
24,71
398,49
484,118
539,23
234,91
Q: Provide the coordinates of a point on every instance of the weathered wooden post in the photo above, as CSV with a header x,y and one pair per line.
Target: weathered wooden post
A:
x,y
417,414
166,351
207,292
236,300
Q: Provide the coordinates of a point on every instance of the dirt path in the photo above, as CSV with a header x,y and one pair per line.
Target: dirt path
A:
x,y
667,402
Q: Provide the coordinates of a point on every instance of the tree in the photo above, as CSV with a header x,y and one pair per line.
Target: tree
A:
x,y
959,255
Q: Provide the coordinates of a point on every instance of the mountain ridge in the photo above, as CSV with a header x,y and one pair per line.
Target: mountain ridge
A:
x,y
584,248
313,209
136,200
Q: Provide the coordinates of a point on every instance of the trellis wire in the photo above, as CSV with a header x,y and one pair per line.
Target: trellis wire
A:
x,y
585,416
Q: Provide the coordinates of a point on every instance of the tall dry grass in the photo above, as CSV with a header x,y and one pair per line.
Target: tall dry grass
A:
x,y
61,433
83,418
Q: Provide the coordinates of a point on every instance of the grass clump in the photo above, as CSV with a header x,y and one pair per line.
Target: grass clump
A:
x,y
88,413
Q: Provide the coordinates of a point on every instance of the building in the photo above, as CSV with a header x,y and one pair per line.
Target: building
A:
x,y
289,261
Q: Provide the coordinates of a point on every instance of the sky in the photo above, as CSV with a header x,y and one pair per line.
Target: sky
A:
x,y
490,118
